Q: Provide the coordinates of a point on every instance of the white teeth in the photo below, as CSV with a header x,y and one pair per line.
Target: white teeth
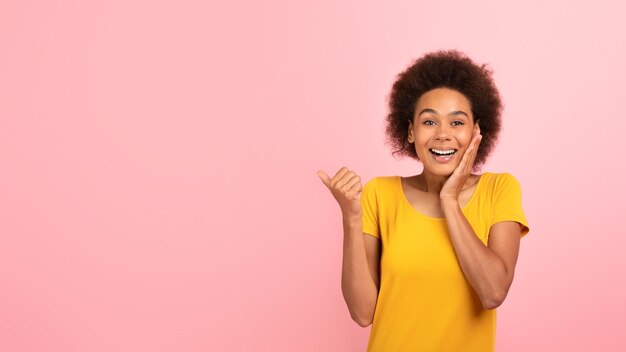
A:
x,y
443,152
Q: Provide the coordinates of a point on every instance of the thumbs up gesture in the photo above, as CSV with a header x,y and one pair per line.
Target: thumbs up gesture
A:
x,y
346,188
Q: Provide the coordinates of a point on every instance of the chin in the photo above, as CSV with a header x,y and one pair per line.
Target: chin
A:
x,y
441,170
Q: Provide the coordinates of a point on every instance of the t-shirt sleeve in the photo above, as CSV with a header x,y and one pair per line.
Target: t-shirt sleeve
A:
x,y
369,204
508,202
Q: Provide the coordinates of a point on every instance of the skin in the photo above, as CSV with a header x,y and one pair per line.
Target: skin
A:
x,y
443,119
361,252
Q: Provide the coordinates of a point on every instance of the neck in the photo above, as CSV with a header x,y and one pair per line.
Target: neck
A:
x,y
431,183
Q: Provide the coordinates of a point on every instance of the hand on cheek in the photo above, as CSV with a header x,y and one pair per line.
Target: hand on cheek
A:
x,y
453,186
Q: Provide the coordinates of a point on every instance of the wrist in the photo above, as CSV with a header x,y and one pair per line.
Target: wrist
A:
x,y
352,218
449,202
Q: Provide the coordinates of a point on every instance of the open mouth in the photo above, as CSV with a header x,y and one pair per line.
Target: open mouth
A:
x,y
442,152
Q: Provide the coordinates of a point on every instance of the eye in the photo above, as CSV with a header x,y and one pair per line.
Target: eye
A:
x,y
458,123
429,122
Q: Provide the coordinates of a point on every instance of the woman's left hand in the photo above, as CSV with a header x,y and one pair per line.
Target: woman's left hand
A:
x,y
453,186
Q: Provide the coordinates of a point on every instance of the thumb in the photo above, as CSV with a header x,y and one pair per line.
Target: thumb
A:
x,y
324,178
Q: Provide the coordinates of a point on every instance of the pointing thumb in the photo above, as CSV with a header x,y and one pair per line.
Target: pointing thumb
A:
x,y
324,177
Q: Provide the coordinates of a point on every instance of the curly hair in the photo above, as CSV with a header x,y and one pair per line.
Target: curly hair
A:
x,y
450,69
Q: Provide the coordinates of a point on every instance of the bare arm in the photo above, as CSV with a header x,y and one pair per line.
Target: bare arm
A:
x,y
360,278
489,269
361,252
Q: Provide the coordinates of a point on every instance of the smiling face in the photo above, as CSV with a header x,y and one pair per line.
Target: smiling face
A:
x,y
441,130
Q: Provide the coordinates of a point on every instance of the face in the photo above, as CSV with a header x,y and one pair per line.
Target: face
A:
x,y
442,129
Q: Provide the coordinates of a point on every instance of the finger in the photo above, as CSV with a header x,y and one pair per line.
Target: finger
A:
x,y
471,150
461,167
474,152
479,138
354,180
355,190
470,161
338,176
341,171
476,143
465,159
341,183
470,153
324,177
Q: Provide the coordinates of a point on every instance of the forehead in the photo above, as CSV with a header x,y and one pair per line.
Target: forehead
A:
x,y
443,100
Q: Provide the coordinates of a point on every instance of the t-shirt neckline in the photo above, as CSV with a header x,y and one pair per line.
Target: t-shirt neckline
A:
x,y
406,202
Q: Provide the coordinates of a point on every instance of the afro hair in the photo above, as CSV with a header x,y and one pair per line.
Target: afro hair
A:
x,y
450,69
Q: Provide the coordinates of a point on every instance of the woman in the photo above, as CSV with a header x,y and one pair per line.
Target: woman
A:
x,y
428,258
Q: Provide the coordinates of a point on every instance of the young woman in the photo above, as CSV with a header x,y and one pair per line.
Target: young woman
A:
x,y
427,258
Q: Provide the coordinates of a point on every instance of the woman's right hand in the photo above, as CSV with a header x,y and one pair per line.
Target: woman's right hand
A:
x,y
346,188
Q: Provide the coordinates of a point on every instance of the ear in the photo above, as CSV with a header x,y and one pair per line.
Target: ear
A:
x,y
411,138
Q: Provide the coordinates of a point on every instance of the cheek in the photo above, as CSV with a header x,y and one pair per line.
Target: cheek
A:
x,y
465,138
422,137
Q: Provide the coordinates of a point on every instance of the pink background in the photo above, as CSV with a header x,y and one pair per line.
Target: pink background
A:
x,y
159,190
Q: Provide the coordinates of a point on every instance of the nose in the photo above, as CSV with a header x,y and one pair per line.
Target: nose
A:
x,y
443,133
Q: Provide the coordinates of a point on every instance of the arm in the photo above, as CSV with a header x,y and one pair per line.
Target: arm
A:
x,y
360,274
489,269
361,252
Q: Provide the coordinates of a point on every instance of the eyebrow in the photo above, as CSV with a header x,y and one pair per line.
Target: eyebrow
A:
x,y
453,113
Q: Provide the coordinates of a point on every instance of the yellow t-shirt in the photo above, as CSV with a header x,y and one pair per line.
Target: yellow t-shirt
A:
x,y
425,303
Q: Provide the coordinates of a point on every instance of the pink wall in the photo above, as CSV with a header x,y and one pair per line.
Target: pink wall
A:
x,y
158,189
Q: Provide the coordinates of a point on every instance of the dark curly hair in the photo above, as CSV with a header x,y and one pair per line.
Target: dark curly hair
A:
x,y
450,69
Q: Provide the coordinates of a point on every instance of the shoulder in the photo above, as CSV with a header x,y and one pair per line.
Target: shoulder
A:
x,y
380,186
497,184
502,186
500,179
381,182
506,179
